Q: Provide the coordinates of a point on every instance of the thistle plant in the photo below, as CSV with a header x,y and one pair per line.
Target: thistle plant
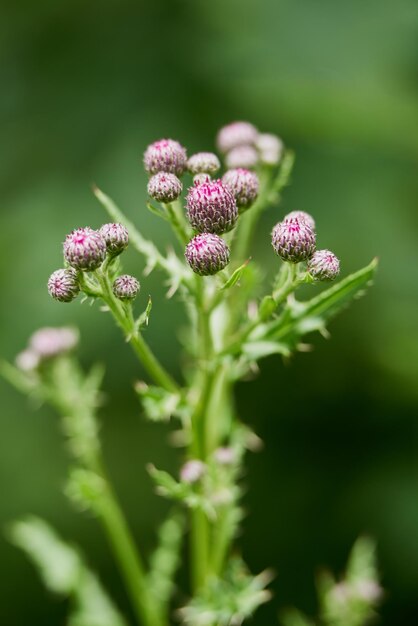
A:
x,y
234,320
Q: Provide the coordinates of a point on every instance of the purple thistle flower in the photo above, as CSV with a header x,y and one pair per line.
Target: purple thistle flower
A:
x,y
126,287
242,156
207,254
116,238
302,215
164,187
211,207
165,155
243,184
84,249
293,240
323,265
203,163
236,134
63,285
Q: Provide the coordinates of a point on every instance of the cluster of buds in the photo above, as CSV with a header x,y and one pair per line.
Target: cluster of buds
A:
x,y
243,146
85,250
45,344
294,241
165,161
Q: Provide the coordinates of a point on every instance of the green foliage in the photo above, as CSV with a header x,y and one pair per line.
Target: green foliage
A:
x,y
228,600
64,572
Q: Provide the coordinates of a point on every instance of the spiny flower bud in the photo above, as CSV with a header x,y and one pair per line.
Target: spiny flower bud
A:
x,y
192,471
165,155
242,156
302,215
27,361
85,249
63,285
243,184
207,254
236,134
203,163
293,240
323,265
126,287
211,207
50,342
198,179
116,238
270,148
164,187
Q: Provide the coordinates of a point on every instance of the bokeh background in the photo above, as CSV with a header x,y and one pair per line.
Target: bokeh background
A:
x,y
85,86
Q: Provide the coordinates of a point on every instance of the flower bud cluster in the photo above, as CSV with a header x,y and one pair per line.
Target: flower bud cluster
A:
x,y
85,250
294,241
165,161
44,344
243,146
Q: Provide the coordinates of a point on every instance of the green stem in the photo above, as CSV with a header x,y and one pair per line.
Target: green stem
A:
x,y
150,362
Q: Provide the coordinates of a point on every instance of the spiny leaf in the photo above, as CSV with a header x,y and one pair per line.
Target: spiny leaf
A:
x,y
235,276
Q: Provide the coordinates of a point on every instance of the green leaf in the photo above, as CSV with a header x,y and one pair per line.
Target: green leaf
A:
x,y
176,270
293,617
228,600
159,405
235,276
65,573
143,319
300,318
255,350
23,382
86,489
165,560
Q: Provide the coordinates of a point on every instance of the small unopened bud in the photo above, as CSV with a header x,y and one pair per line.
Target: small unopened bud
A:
x,y
242,156
126,287
211,207
50,342
270,148
323,265
302,215
207,254
225,455
85,249
293,240
192,471
198,179
243,184
116,238
165,155
63,285
27,361
203,163
164,187
236,134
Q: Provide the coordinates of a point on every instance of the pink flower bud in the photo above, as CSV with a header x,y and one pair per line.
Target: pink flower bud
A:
x,y
116,238
164,187
302,215
242,156
85,249
293,240
323,265
270,148
236,134
225,455
243,184
198,179
192,471
126,287
203,163
27,361
63,285
165,155
207,254
211,207
50,342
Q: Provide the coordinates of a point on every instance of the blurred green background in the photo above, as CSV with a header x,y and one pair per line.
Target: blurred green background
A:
x,y
85,86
